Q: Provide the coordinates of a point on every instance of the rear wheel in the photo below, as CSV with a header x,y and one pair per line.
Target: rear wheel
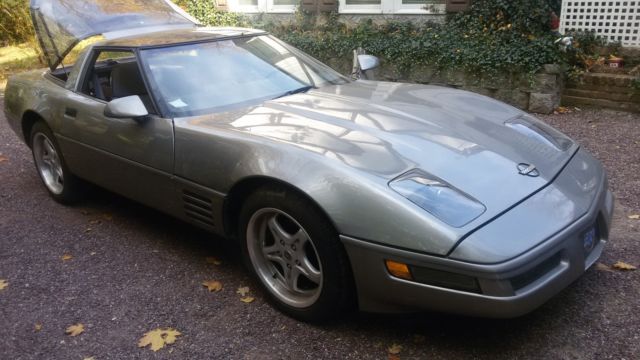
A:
x,y
61,184
296,254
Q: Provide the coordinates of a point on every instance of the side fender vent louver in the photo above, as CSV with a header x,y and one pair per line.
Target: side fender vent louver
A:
x,y
198,208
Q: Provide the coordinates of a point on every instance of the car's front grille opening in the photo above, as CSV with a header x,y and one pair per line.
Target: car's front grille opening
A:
x,y
445,279
536,273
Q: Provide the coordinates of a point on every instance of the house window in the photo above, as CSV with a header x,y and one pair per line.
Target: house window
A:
x,y
345,6
360,6
282,6
248,6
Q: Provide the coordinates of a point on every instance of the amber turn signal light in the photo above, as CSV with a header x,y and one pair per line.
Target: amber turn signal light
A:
x,y
398,269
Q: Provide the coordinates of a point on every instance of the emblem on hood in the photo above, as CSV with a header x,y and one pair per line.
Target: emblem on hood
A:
x,y
528,170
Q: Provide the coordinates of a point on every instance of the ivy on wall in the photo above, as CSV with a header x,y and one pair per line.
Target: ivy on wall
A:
x,y
494,36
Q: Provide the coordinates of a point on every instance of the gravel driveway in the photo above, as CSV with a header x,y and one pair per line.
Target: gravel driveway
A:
x,y
133,270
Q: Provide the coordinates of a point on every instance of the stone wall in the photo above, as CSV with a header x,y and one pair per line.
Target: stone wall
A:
x,y
539,94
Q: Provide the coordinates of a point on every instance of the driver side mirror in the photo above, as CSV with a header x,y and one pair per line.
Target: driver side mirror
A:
x,y
126,107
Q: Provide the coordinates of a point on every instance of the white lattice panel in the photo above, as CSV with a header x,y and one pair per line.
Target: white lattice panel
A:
x,y
613,20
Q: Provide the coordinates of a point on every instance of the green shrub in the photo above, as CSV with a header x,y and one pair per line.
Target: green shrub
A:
x,y
15,22
205,11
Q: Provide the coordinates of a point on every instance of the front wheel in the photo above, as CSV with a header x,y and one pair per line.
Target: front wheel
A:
x,y
61,184
296,254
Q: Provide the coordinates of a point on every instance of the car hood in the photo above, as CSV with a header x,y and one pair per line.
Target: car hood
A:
x,y
61,24
472,142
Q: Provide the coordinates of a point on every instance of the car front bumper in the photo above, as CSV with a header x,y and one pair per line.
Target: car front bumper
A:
x,y
504,290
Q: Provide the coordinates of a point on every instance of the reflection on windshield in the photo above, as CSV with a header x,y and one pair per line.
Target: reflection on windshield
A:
x,y
221,75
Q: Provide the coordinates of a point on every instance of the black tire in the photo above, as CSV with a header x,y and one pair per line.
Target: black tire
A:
x,y
71,188
337,291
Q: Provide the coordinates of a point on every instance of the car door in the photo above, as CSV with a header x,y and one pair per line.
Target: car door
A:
x,y
133,157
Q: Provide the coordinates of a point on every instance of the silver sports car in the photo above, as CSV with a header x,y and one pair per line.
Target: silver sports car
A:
x,y
340,192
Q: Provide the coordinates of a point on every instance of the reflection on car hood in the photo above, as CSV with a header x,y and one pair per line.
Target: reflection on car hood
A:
x,y
386,129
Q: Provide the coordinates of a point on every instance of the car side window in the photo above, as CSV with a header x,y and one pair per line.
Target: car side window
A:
x,y
113,75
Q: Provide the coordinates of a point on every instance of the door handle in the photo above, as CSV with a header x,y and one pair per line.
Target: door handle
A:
x,y
69,112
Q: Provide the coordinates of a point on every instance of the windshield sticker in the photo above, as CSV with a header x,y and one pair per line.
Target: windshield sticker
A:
x,y
178,103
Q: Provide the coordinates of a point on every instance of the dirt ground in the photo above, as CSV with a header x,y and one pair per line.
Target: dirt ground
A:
x,y
133,269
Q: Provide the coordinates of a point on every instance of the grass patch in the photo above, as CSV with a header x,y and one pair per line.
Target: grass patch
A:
x,y
17,58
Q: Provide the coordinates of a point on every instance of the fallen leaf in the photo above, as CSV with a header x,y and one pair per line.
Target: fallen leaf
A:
x,y
66,257
563,110
37,327
623,266
95,221
634,217
3,159
158,338
3,284
603,267
212,285
394,357
108,217
88,230
89,358
395,349
213,260
92,253
75,330
243,291
247,299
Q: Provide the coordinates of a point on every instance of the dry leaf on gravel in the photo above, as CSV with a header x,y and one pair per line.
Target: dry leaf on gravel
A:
x,y
66,257
395,349
158,338
603,267
3,284
213,260
634,217
37,327
3,159
247,299
243,291
212,285
89,358
75,330
563,110
623,266
95,221
393,357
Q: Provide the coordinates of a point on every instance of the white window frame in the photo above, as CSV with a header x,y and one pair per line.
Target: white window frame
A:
x,y
343,8
388,7
234,5
279,9
385,7
400,8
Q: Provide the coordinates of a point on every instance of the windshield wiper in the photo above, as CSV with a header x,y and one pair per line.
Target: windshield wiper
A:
x,y
296,91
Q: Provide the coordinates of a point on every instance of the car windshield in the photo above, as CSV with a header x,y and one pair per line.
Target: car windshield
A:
x,y
218,76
